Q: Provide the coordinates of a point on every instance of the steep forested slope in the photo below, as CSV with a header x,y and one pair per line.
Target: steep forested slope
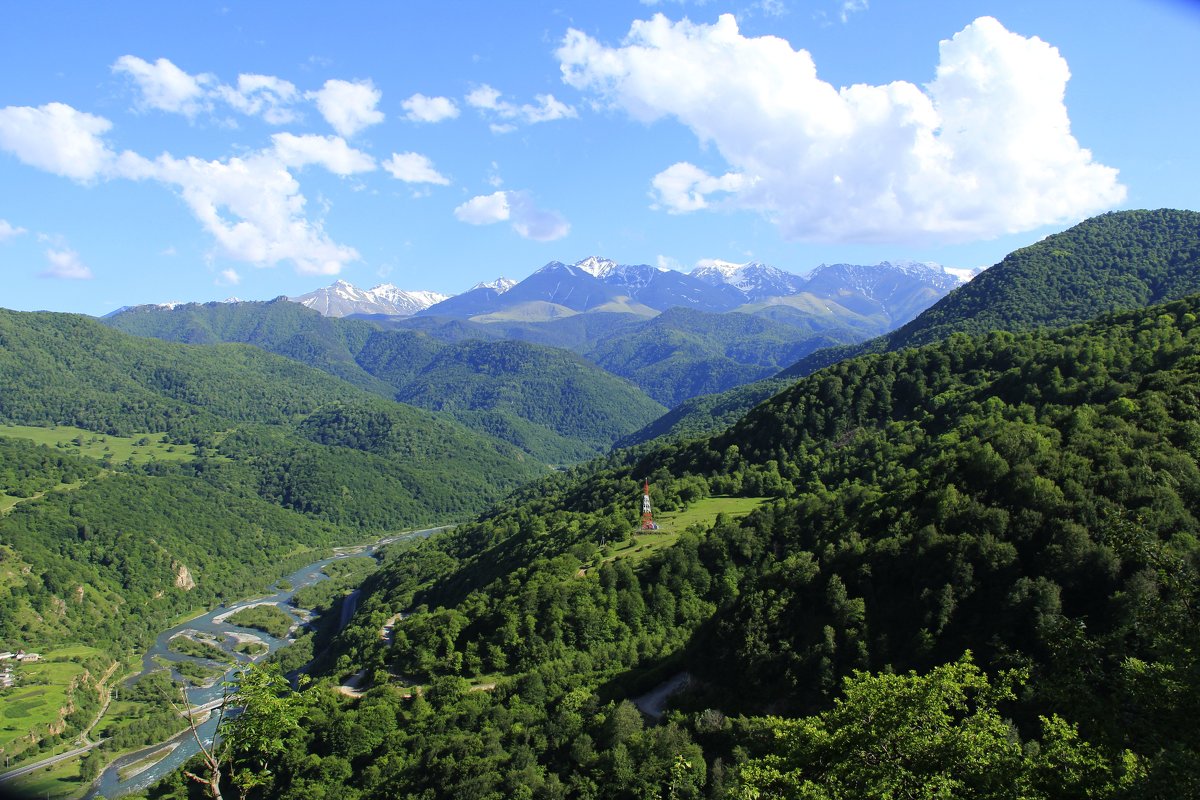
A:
x,y
554,406
1122,260
263,476
550,402
1031,498
683,353
279,326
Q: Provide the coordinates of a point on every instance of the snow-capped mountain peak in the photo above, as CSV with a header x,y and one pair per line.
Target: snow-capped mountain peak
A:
x,y
755,279
500,285
596,266
342,298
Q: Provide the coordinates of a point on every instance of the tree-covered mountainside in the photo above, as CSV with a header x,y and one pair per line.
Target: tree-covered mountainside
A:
x,y
551,404
978,577
110,561
683,353
516,389
265,461
708,413
279,326
1122,260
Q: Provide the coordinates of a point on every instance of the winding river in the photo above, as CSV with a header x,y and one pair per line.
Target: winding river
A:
x,y
216,628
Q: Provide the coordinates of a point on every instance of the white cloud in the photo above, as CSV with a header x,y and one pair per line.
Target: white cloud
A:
x,y
252,206
164,86
57,138
414,168
262,95
547,109
983,150
529,221
229,277
348,107
331,152
9,231
66,264
429,109
684,187
484,209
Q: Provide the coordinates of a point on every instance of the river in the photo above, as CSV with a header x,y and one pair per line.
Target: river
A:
x,y
215,624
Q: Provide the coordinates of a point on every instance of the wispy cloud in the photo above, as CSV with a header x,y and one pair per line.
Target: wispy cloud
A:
x,y
547,109
166,87
517,208
65,264
331,152
9,231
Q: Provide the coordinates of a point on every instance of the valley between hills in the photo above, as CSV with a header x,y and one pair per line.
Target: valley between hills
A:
x,y
916,537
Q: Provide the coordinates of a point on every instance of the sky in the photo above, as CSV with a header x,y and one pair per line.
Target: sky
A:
x,y
156,152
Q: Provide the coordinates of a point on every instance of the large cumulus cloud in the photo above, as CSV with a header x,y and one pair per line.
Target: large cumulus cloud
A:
x,y
984,149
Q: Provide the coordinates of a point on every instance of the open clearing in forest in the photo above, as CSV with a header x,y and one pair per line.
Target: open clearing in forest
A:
x,y
136,449
672,523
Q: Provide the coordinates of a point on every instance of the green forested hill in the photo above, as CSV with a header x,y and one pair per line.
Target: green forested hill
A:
x,y
279,326
1122,260
1012,517
554,406
262,475
573,408
71,370
683,353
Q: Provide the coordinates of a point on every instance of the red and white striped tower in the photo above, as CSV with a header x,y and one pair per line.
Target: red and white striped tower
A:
x,y
647,516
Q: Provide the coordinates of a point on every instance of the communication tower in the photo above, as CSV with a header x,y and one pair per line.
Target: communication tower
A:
x,y
648,523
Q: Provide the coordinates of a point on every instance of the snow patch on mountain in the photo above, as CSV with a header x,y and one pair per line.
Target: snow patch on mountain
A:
x,y
500,285
596,266
756,280
342,298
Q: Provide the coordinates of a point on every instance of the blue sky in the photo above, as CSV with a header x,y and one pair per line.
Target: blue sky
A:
x,y
153,152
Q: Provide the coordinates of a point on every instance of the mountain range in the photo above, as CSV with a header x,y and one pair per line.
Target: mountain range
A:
x,y
896,292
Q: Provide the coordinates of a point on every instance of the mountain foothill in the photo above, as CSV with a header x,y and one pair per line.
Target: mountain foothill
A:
x,y
911,547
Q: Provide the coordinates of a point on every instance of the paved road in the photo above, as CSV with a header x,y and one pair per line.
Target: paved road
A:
x,y
78,751
47,762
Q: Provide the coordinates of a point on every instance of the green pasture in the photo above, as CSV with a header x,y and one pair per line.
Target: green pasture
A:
x,y
672,523
35,700
136,449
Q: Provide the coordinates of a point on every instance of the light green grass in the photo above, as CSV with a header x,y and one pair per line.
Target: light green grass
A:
x,y
34,702
74,652
136,449
58,781
704,512
672,523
